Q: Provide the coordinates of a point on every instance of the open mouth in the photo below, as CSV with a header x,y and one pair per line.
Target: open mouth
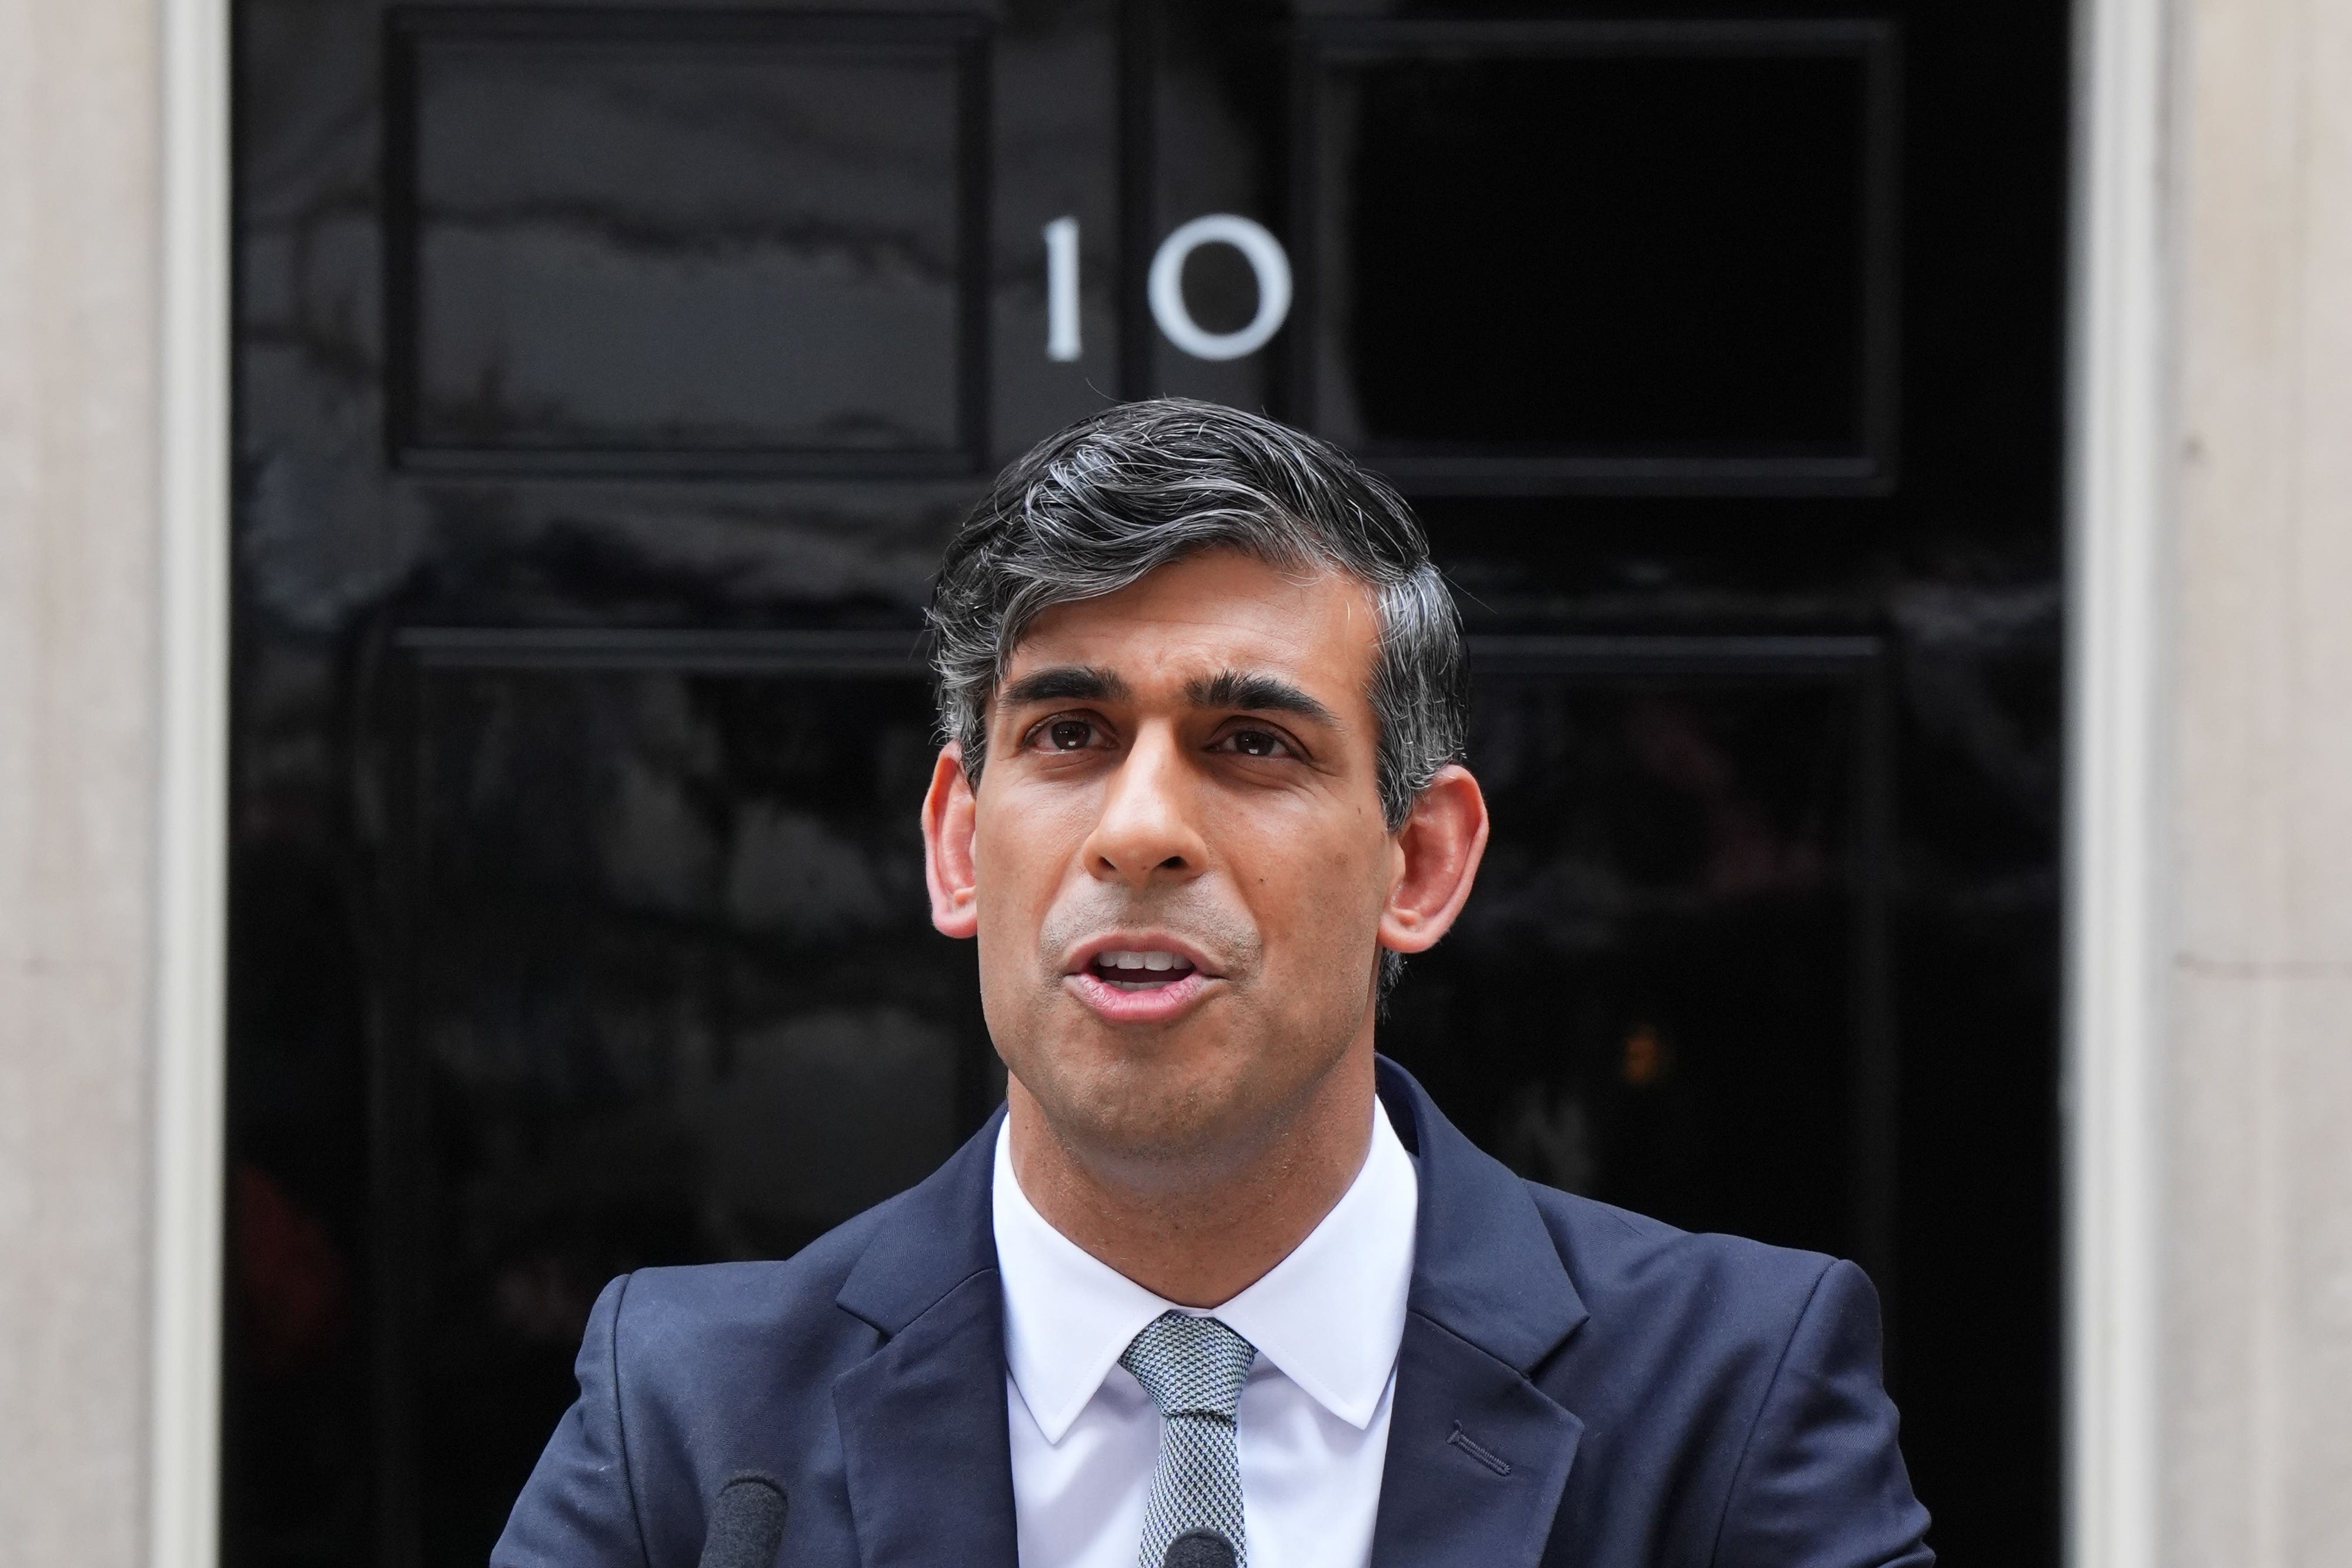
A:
x,y
1141,969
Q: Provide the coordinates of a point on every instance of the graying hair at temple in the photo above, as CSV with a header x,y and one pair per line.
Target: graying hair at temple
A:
x,y
1095,508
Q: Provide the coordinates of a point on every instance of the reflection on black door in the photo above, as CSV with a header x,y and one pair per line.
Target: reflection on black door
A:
x,y
608,378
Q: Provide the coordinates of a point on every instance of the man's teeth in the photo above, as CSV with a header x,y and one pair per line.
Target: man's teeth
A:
x,y
1142,960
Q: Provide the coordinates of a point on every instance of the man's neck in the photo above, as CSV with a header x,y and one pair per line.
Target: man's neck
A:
x,y
1202,1239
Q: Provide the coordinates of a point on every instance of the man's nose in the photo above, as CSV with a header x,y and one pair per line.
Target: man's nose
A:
x,y
1146,832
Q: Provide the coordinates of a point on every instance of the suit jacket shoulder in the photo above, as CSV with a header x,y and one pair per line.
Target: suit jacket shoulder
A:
x,y
1754,1422
1635,1271
701,1334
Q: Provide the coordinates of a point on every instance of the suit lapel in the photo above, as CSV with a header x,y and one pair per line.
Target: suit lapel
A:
x,y
1477,1457
1477,1453
923,1439
924,1447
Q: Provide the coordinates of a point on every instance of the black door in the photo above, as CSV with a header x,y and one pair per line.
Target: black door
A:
x,y
608,378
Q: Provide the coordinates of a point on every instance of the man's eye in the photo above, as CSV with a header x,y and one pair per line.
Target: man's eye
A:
x,y
1067,735
1255,743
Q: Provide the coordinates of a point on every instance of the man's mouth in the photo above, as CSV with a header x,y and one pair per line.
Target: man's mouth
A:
x,y
1139,969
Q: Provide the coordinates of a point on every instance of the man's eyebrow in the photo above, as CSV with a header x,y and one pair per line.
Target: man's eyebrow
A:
x,y
1254,693
1066,683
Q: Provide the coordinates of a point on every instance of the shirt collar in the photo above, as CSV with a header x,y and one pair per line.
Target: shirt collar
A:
x,y
1330,1316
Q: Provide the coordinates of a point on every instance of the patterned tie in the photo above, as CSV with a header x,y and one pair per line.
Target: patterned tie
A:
x,y
1193,1368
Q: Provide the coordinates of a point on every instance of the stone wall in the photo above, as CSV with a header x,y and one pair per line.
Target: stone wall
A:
x,y
79,688
2256,1230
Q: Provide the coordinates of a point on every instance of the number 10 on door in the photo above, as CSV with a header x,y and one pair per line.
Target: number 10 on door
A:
x,y
1266,258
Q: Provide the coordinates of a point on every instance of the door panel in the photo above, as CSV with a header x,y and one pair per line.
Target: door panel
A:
x,y
671,995
609,378
1671,976
1690,225
606,228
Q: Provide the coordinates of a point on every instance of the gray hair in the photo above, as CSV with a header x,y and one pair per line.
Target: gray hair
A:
x,y
1097,507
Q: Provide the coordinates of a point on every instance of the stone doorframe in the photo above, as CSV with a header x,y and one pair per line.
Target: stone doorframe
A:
x,y
191,878
2117,941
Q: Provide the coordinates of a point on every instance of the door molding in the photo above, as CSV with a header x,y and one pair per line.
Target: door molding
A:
x,y
192,905
2118,419
2118,517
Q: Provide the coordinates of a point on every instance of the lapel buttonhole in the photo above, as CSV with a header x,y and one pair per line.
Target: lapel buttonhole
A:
x,y
1471,1445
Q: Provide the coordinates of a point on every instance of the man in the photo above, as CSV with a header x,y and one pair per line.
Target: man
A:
x,y
1218,1278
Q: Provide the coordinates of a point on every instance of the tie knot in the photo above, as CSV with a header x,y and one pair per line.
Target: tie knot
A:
x,y
1190,1365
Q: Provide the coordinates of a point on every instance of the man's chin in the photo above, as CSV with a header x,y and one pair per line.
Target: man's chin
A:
x,y
1123,1094
1169,1145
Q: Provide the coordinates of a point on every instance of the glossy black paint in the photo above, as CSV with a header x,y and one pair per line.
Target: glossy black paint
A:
x,y
608,378
1679,807
677,996
605,228
1690,222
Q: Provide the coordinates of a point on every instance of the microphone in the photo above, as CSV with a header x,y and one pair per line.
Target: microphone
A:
x,y
747,1524
1198,1548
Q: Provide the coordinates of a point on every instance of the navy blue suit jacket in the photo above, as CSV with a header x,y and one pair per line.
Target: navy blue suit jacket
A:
x,y
1576,1386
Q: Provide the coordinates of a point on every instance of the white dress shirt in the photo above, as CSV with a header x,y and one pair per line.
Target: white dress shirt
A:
x,y
1314,1416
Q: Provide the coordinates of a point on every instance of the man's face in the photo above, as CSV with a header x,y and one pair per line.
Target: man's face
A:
x,y
1178,857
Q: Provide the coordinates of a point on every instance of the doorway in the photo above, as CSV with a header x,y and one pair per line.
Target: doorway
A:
x,y
608,378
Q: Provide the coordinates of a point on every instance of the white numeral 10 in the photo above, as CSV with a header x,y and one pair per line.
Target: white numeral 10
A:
x,y
1165,287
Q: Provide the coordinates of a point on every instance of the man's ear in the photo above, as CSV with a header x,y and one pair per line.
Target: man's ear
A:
x,y
947,846
1439,850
